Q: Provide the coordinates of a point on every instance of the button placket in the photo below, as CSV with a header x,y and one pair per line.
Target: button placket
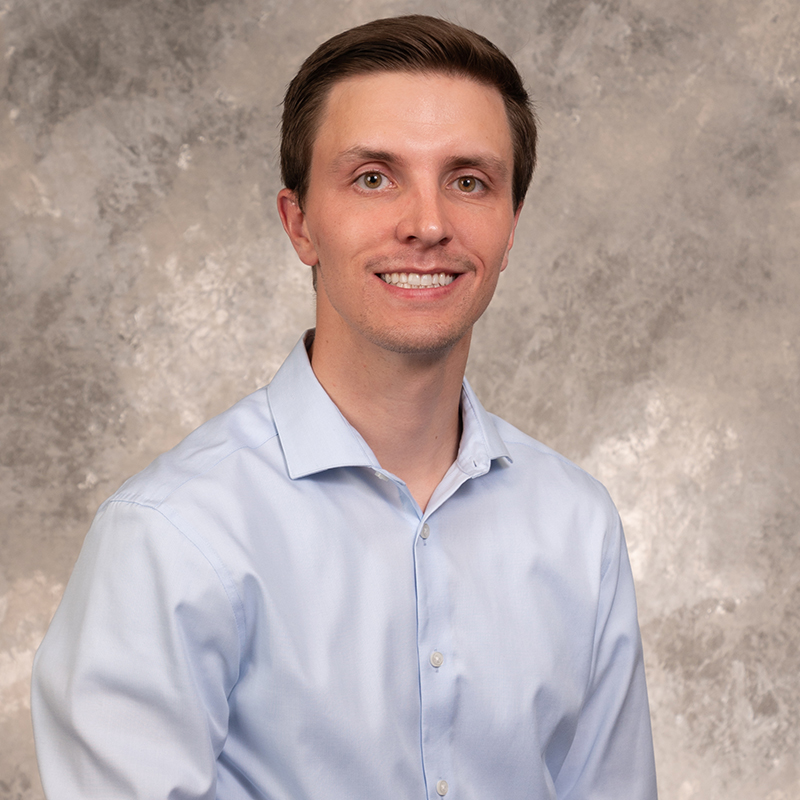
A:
x,y
434,642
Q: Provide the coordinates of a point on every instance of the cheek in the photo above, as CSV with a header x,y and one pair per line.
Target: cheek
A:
x,y
488,239
347,235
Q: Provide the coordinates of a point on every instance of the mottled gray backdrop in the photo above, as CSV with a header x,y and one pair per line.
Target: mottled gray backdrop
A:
x,y
647,326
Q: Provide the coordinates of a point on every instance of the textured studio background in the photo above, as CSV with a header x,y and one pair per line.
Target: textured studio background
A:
x,y
647,326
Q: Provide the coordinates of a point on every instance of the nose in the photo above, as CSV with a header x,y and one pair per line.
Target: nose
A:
x,y
424,217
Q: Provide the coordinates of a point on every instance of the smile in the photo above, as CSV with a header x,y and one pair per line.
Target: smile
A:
x,y
415,280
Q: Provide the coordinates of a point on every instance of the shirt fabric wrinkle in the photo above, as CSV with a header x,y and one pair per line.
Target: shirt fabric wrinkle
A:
x,y
300,606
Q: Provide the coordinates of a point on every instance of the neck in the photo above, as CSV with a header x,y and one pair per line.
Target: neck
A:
x,y
406,406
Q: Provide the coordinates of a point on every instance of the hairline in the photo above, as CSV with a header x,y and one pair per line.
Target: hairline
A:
x,y
358,71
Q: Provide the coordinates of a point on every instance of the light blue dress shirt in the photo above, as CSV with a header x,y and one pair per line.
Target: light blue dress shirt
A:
x,y
266,613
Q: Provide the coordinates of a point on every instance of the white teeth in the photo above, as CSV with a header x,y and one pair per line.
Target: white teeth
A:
x,y
415,280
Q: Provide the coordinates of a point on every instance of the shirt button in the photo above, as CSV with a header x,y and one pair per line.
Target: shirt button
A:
x,y
442,787
380,475
425,532
437,659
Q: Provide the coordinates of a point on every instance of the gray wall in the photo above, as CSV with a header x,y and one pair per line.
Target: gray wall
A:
x,y
647,326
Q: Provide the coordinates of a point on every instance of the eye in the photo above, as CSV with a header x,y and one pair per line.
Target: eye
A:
x,y
371,180
468,184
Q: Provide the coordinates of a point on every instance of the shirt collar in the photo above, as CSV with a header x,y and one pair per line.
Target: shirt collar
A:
x,y
313,433
315,436
480,440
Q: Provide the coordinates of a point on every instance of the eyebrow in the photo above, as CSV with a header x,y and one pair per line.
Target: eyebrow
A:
x,y
487,163
490,164
358,153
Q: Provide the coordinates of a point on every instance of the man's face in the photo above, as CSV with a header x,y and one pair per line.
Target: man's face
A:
x,y
409,215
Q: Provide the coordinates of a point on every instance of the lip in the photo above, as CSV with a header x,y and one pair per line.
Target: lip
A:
x,y
421,293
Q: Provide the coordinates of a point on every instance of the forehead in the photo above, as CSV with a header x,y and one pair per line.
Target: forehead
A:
x,y
416,111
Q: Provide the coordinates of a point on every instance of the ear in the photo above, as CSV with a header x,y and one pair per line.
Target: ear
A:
x,y
511,238
294,223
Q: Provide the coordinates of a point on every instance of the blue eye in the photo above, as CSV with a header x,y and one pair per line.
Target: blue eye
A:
x,y
371,180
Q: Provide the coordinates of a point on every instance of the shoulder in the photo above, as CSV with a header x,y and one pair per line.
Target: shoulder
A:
x,y
566,506
243,429
535,462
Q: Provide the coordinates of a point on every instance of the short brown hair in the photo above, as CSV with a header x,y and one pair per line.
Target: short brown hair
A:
x,y
414,43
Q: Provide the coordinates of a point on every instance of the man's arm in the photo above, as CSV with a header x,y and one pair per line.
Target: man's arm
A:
x,y
129,693
611,757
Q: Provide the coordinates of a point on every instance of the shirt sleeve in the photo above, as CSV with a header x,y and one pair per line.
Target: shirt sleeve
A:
x,y
611,756
130,685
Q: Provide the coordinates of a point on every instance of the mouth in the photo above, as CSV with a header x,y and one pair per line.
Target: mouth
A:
x,y
416,280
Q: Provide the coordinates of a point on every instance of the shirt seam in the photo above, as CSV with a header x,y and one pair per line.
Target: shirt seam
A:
x,y
544,451
155,502
226,582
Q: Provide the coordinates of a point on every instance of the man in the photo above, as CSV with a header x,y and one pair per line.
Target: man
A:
x,y
357,582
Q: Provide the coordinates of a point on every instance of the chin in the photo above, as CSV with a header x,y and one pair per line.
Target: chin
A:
x,y
421,343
